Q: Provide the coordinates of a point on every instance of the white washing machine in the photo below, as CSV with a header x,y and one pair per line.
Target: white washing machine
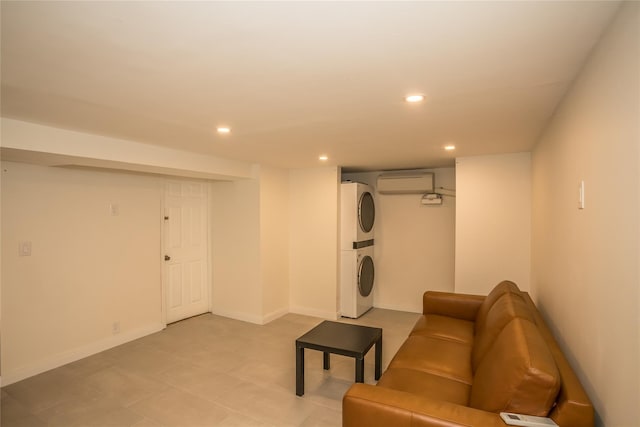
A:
x,y
357,278
358,214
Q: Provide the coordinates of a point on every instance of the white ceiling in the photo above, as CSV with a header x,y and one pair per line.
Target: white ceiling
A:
x,y
298,79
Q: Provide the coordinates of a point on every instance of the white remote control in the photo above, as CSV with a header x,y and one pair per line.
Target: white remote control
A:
x,y
526,420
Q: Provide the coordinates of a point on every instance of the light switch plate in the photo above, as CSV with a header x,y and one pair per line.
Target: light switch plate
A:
x,y
24,248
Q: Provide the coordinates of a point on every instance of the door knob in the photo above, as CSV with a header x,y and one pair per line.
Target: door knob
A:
x,y
167,257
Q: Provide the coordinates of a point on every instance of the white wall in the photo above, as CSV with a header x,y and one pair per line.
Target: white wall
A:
x,y
274,241
235,254
314,241
493,222
87,269
1,174
32,143
585,262
250,246
414,244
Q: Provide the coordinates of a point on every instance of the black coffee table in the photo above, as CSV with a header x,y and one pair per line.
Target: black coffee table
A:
x,y
339,338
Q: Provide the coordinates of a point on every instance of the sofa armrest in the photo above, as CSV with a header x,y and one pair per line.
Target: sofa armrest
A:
x,y
372,406
460,306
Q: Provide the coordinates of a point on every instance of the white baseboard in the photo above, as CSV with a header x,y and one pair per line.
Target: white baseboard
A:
x,y
238,315
60,359
329,315
251,318
398,308
274,315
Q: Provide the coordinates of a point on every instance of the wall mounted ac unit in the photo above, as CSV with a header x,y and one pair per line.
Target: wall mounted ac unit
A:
x,y
405,183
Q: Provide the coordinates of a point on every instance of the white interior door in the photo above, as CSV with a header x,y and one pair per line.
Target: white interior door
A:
x,y
185,241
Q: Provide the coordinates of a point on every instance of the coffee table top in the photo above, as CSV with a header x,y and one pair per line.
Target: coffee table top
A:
x,y
340,338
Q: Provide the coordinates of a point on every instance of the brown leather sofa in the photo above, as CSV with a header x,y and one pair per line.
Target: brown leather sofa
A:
x,y
467,359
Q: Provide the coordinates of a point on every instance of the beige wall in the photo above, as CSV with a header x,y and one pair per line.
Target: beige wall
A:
x,y
414,244
32,143
88,269
250,246
274,241
313,241
235,228
1,174
493,222
585,262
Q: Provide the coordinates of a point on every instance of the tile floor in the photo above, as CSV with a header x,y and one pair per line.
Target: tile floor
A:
x,y
204,371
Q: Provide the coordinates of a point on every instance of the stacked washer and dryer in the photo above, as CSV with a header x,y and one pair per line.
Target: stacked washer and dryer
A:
x,y
357,273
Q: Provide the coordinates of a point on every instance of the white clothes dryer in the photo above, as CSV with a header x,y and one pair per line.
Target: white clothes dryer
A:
x,y
358,213
357,278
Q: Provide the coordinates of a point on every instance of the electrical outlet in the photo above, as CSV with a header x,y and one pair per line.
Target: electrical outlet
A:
x,y
115,328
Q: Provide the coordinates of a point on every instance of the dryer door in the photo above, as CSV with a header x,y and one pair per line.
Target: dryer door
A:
x,y
366,273
366,212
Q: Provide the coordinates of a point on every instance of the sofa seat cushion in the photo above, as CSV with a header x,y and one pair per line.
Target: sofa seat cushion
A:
x,y
426,385
518,373
449,328
446,358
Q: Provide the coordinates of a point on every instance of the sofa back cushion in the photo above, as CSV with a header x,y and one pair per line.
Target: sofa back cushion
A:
x,y
500,289
506,308
518,373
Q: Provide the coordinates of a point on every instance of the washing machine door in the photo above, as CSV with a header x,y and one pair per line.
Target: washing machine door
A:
x,y
366,273
366,212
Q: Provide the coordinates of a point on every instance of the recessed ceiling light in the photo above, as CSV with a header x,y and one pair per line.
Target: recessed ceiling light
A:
x,y
223,129
414,98
450,147
323,158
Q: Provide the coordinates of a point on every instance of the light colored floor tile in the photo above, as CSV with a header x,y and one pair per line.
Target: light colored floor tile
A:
x,y
146,422
44,391
328,393
13,413
123,349
184,373
238,420
124,387
89,365
91,409
262,373
204,371
178,408
323,417
220,360
268,404
144,359
209,386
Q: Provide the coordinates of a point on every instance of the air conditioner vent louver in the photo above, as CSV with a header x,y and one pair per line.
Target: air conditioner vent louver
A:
x,y
414,183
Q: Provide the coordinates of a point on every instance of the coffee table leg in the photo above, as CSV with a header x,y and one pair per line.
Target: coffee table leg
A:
x,y
359,369
378,358
299,371
325,360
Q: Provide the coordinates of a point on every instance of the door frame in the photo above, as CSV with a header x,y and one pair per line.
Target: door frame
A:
x,y
163,265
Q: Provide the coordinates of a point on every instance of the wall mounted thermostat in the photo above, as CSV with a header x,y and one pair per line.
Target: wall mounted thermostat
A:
x,y
526,420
